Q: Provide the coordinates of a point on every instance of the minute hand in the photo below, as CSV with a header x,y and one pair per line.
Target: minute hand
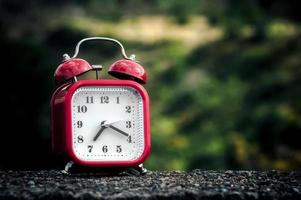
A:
x,y
118,130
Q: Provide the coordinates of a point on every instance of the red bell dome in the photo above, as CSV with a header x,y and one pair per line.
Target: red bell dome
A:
x,y
128,69
70,68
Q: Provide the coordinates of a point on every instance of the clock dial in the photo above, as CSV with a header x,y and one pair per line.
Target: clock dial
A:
x,y
107,123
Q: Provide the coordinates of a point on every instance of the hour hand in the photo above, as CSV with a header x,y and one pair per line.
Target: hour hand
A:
x,y
100,131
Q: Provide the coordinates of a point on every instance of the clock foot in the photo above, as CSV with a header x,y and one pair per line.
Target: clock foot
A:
x,y
72,169
137,171
68,167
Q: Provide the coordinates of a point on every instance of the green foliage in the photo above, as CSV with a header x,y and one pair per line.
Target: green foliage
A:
x,y
233,102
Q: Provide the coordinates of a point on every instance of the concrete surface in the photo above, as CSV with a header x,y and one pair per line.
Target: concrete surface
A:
x,y
196,184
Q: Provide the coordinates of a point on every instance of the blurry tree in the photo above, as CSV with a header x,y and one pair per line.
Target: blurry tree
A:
x,y
246,113
232,103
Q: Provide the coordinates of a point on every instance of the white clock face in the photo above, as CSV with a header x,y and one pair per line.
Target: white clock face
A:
x,y
107,123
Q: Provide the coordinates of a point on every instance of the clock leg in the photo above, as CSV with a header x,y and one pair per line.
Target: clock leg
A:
x,y
68,167
139,170
142,169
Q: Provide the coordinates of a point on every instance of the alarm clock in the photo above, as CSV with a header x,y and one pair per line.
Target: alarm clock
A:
x,y
101,123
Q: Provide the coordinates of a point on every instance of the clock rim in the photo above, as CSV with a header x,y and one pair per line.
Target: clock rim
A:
x,y
68,117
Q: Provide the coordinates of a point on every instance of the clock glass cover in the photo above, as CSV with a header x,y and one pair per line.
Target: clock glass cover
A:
x,y
107,123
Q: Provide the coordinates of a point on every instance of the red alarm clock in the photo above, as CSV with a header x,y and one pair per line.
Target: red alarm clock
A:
x,y
101,123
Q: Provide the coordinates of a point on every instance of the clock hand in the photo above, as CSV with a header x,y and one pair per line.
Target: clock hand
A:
x,y
100,131
118,130
107,123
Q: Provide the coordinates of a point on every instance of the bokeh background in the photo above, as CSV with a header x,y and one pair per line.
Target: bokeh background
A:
x,y
224,77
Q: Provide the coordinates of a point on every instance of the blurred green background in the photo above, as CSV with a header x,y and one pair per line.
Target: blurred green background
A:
x,y
224,77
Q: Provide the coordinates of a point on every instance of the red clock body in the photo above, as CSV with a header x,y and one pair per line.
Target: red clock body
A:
x,y
101,123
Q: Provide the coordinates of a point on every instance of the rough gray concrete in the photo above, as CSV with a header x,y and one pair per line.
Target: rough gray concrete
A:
x,y
155,185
